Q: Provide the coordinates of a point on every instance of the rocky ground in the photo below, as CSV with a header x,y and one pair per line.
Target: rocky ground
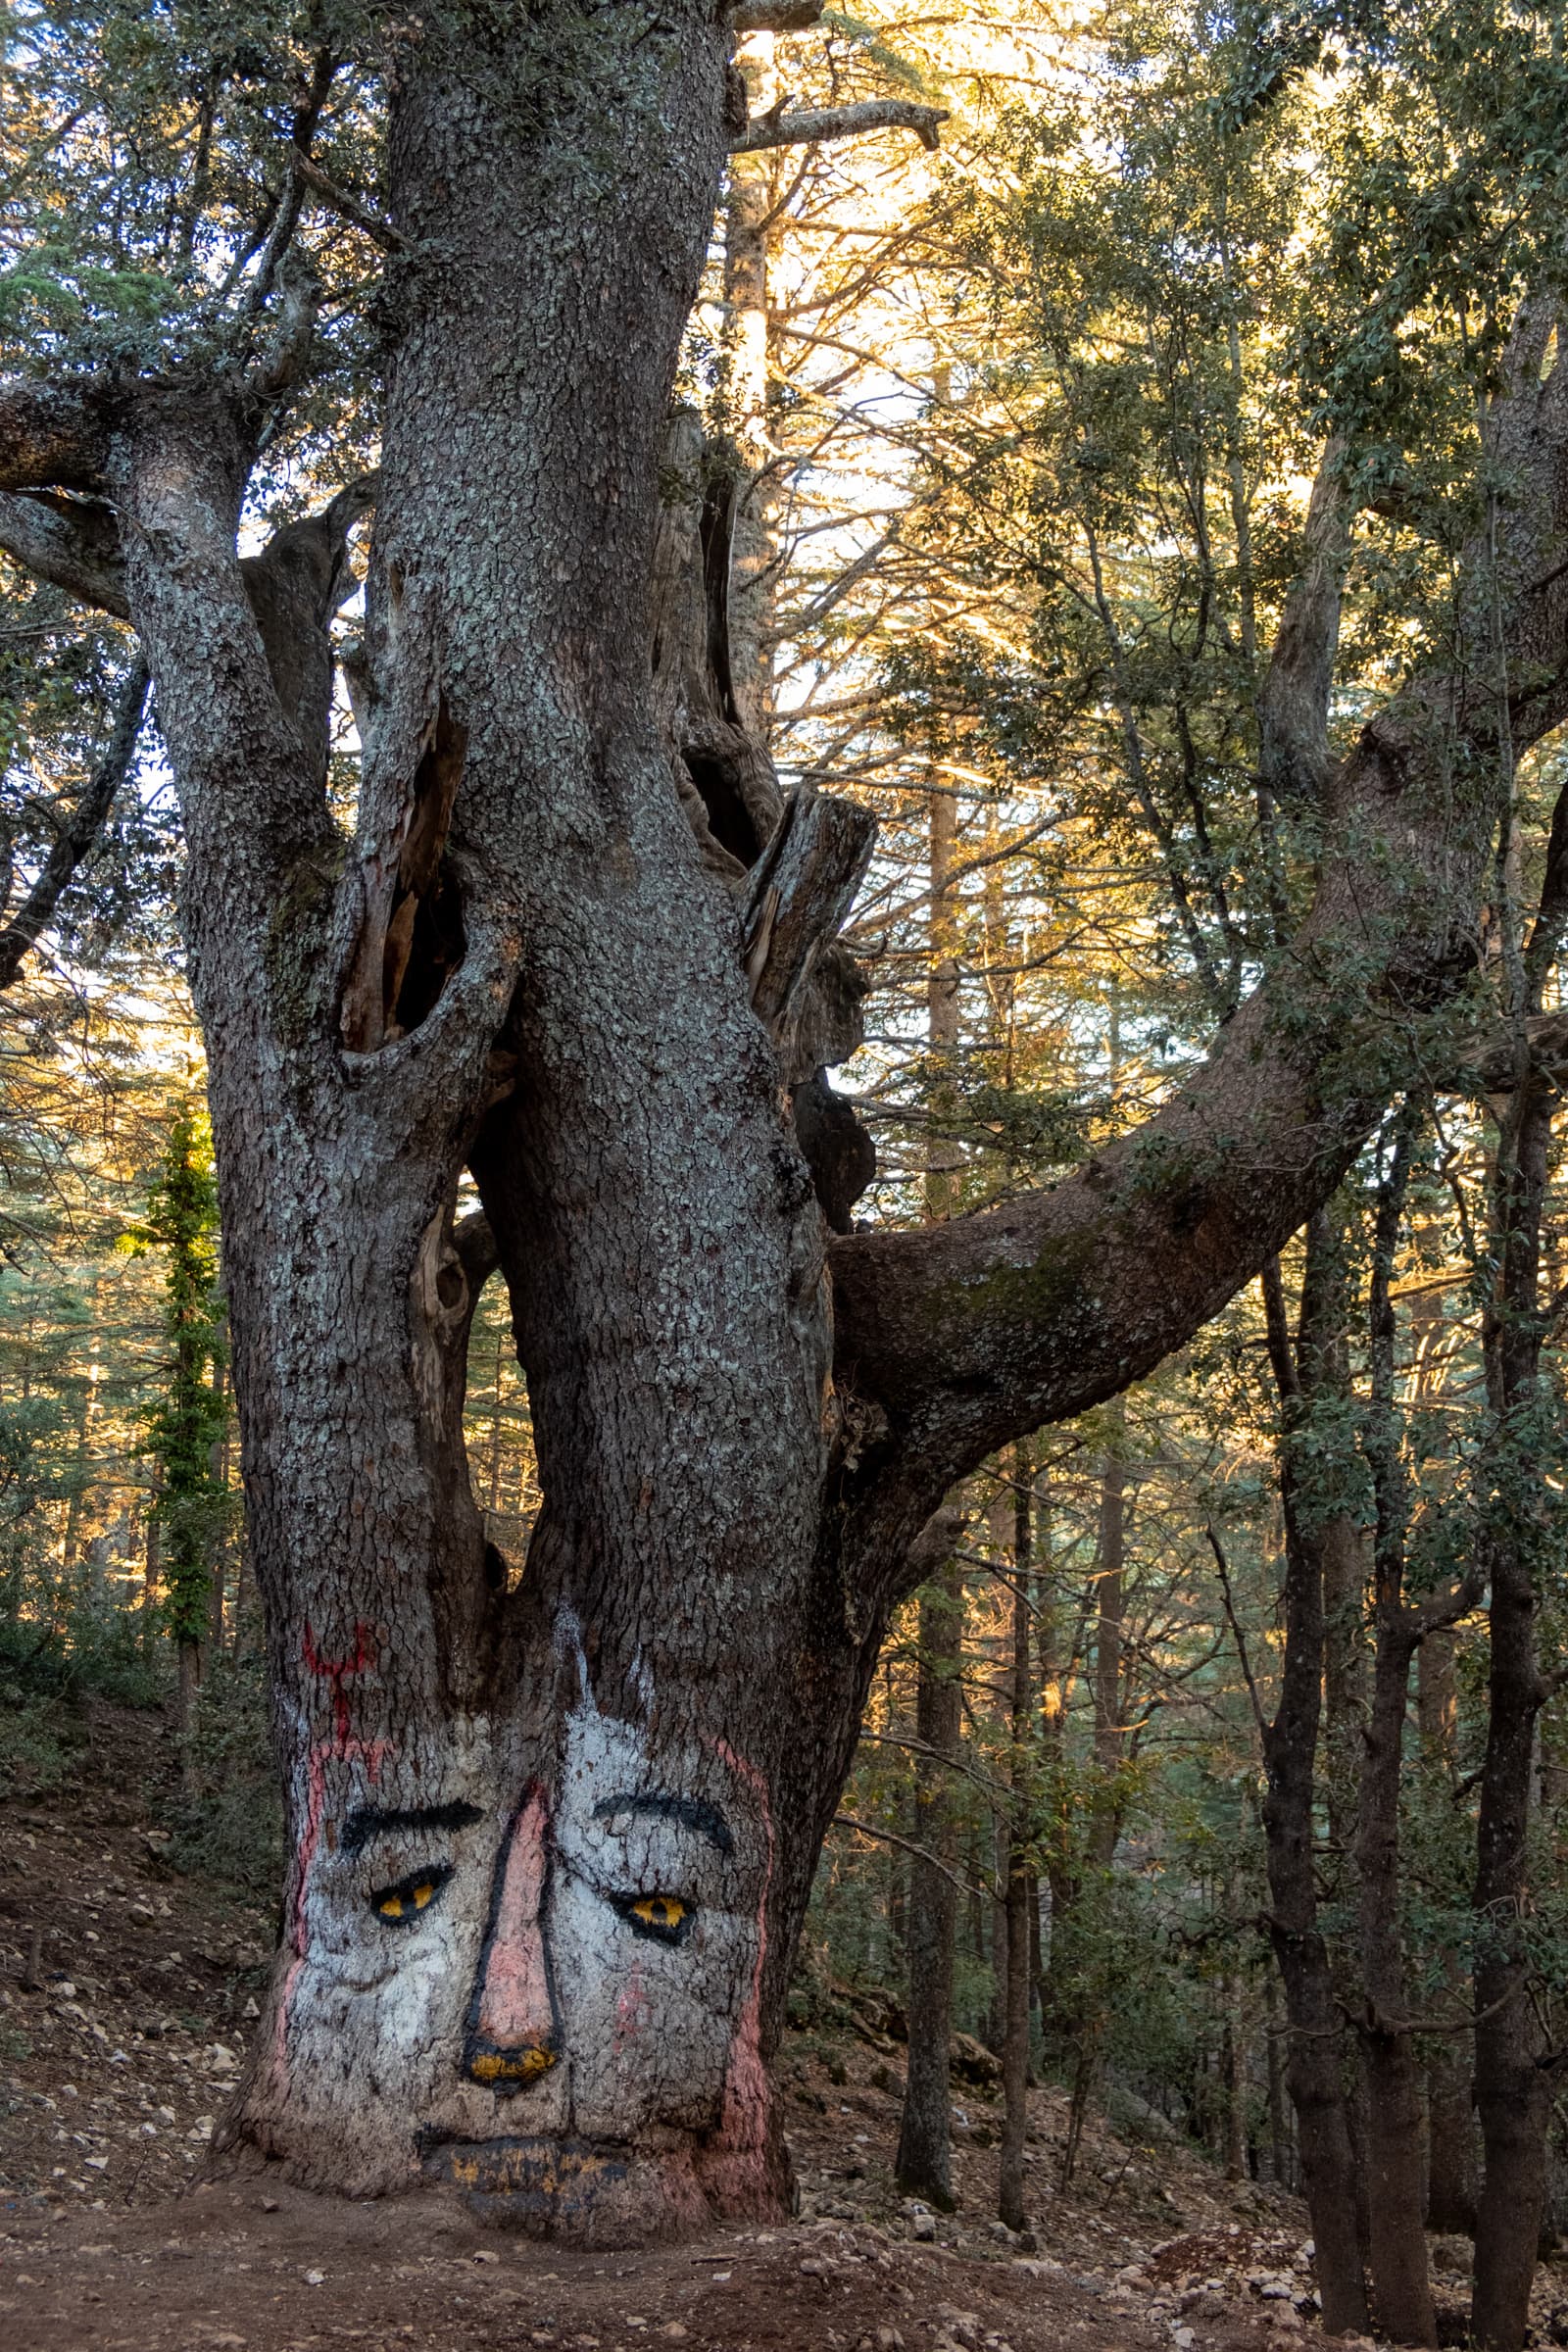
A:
x,y
126,1993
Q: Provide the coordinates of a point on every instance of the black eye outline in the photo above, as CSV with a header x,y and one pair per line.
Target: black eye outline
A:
x,y
655,1931
434,1876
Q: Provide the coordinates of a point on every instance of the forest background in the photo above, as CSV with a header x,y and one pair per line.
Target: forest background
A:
x,y
1028,425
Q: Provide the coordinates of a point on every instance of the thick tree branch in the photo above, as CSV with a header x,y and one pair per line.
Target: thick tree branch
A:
x,y
1293,708
240,658
52,436
285,219
776,16
1489,1063
73,544
295,585
975,1332
80,830
287,349
348,208
816,126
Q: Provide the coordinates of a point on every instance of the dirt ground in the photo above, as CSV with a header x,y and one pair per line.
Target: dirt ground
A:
x,y
126,1993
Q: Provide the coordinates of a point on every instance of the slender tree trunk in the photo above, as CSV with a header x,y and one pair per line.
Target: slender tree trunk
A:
x,y
1451,2128
1280,2169
188,1676
995,2027
1314,2072
923,2164
1087,2023
1513,2087
1109,1564
152,1550
1396,2123
1055,2004
1015,2040
220,1535
1235,2106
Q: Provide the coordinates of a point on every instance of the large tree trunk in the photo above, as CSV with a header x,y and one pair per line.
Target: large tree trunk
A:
x,y
550,1841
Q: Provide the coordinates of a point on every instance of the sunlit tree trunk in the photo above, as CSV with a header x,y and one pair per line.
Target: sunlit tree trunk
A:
x,y
1020,1882
925,2162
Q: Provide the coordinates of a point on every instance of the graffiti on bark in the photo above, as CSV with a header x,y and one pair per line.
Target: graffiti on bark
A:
x,y
514,2031
338,1746
542,1980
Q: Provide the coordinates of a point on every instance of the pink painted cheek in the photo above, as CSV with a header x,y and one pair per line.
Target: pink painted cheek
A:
x,y
634,2011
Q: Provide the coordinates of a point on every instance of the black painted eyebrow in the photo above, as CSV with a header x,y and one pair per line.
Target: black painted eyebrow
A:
x,y
689,1811
376,1821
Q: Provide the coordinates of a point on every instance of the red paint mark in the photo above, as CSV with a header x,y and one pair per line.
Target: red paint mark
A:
x,y
339,1748
337,1671
634,2011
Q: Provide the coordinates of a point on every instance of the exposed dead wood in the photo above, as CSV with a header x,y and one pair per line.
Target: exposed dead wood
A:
x,y
816,126
800,893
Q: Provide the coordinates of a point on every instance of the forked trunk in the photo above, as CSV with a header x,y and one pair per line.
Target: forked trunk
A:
x,y
551,1833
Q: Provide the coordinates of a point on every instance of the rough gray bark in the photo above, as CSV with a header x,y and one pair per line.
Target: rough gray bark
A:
x,y
552,1833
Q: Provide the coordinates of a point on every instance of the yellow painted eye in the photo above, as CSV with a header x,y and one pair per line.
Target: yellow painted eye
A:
x,y
658,1910
403,1901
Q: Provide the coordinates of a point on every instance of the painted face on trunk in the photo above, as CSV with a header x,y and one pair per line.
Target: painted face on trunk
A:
x,y
540,1977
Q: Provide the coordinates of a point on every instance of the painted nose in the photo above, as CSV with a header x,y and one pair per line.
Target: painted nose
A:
x,y
513,2033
